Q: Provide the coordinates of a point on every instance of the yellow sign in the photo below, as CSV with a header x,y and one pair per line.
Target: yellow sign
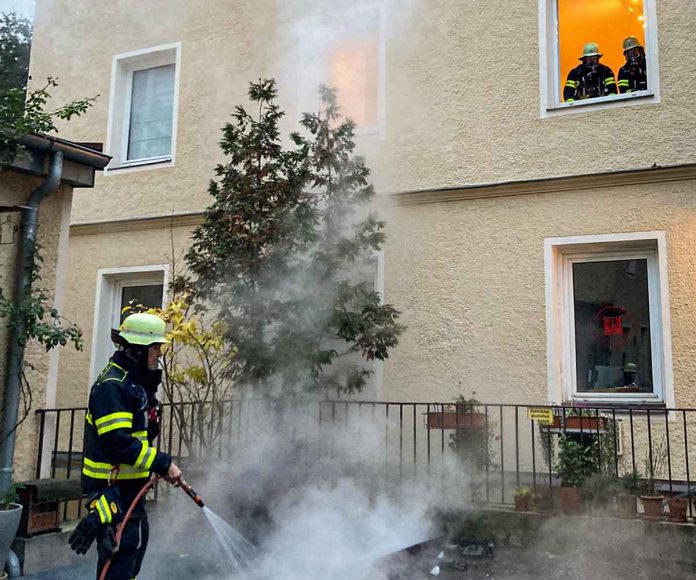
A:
x,y
540,415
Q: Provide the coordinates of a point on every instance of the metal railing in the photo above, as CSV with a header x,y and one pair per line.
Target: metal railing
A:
x,y
498,446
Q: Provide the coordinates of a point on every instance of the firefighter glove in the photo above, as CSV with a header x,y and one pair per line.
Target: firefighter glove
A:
x,y
85,533
105,509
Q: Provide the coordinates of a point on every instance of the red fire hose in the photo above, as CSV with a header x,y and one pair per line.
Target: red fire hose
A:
x,y
188,490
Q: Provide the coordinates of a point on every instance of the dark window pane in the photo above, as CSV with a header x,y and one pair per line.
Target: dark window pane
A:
x,y
612,327
148,296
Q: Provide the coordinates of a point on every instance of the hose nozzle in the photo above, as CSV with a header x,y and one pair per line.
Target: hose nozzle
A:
x,y
189,491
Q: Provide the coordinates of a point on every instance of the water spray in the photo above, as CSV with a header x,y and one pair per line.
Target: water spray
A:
x,y
189,491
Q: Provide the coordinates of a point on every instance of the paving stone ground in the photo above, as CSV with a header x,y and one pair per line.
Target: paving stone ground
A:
x,y
182,546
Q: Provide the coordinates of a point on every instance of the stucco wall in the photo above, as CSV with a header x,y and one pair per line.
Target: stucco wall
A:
x,y
474,298
460,105
461,91
14,190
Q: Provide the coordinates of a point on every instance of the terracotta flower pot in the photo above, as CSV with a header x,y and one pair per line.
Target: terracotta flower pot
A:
x,y
626,505
522,503
589,425
652,507
456,420
677,510
571,500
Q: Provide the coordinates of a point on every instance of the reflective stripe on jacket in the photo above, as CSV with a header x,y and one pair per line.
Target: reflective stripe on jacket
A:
x,y
116,442
586,83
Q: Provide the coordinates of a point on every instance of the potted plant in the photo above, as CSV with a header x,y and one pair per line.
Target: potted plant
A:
x,y
10,514
523,496
578,420
576,462
678,507
463,414
652,498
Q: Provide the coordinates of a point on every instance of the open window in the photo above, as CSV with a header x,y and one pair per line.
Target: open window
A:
x,y
608,319
597,52
344,49
354,73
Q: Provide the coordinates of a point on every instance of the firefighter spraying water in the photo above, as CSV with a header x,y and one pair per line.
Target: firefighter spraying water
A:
x,y
120,426
120,462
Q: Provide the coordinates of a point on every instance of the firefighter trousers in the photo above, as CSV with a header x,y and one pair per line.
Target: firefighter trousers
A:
x,y
126,563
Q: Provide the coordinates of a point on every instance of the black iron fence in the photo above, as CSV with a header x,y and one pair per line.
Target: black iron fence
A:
x,y
497,447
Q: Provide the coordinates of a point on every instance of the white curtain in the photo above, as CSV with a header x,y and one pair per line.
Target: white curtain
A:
x,y
152,109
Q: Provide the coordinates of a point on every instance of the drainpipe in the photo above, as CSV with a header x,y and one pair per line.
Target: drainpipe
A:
x,y
10,407
13,566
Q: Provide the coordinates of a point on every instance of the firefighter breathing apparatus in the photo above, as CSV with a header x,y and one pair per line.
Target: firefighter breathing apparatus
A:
x,y
186,488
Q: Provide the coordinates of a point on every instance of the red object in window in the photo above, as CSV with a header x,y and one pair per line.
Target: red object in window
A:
x,y
612,325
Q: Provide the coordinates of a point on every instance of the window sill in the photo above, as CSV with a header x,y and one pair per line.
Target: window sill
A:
x,y
611,101
618,406
140,165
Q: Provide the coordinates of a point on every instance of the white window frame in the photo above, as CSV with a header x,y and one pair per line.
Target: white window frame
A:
x,y
559,256
107,304
551,84
120,98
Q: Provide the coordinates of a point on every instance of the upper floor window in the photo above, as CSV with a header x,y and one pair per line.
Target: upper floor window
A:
x,y
597,52
151,113
343,49
143,106
354,73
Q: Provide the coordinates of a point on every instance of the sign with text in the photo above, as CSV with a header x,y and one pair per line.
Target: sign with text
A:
x,y
540,415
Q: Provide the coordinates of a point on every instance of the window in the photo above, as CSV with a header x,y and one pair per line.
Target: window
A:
x,y
136,293
353,70
597,52
607,319
116,288
151,109
143,108
344,50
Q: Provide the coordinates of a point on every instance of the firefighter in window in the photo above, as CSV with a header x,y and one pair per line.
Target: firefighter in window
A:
x,y
590,79
633,75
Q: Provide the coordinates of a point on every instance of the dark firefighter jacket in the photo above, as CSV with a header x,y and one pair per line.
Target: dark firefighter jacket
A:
x,y
116,429
633,78
587,83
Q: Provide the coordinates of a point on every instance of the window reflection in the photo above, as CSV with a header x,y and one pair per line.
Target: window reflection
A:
x,y
612,327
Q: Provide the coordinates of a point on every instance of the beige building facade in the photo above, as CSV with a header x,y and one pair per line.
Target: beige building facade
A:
x,y
30,171
538,250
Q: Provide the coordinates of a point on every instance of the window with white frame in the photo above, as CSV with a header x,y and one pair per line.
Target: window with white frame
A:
x,y
117,288
143,107
597,52
607,319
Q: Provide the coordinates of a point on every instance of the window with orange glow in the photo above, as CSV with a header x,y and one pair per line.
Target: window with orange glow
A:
x,y
605,22
353,72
